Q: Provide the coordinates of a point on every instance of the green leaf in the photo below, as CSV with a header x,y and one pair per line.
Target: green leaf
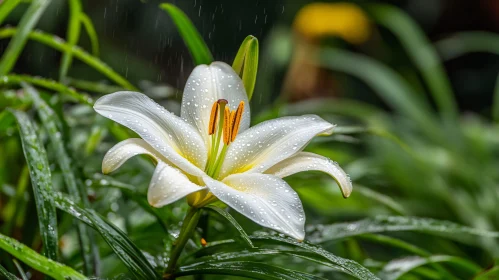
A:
x,y
422,53
20,269
246,63
396,268
16,45
233,221
6,7
194,42
59,44
37,261
53,126
41,181
72,36
123,247
461,43
6,274
325,233
92,35
248,269
490,274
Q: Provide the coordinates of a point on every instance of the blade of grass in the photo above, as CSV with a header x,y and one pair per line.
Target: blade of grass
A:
x,y
192,39
92,35
37,261
72,36
53,126
59,44
41,181
422,53
124,248
6,7
20,269
462,43
6,274
48,84
16,45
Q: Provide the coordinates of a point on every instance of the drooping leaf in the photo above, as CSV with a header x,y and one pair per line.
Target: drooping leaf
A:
x,y
248,269
324,233
396,268
461,43
53,126
16,45
41,181
72,36
194,42
59,44
37,261
233,221
246,63
123,247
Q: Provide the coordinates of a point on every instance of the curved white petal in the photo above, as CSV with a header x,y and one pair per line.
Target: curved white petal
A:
x,y
172,137
263,198
207,84
125,150
168,185
304,161
270,142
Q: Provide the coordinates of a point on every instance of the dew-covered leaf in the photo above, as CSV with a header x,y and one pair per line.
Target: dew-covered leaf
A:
x,y
233,221
194,42
123,247
37,261
41,181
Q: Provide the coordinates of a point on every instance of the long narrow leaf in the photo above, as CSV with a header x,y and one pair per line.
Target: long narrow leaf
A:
x,y
233,221
72,36
194,42
6,7
92,35
59,44
48,84
379,224
422,53
41,181
53,126
461,43
124,248
20,269
7,275
16,45
37,261
246,63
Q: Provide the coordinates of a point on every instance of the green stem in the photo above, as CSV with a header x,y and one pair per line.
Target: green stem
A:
x,y
189,224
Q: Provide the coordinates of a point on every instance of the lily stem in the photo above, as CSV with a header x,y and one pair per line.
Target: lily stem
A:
x,y
189,224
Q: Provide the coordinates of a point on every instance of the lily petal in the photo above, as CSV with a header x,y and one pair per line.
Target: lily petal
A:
x,y
168,134
125,150
168,185
266,199
207,84
304,161
270,142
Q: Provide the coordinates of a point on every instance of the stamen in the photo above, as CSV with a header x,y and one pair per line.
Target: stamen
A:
x,y
213,118
227,127
236,121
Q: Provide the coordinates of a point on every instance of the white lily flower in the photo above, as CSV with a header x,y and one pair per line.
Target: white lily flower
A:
x,y
211,153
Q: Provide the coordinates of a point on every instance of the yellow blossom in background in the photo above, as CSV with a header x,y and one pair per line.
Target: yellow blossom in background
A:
x,y
344,20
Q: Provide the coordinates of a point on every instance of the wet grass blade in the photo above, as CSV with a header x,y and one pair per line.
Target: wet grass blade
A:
x,y
462,43
16,45
21,271
7,275
72,36
124,248
6,7
53,126
422,53
397,268
48,84
246,63
233,221
37,261
325,233
59,44
253,270
41,181
193,40
92,35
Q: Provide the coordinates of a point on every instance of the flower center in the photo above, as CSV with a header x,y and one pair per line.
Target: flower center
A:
x,y
223,122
